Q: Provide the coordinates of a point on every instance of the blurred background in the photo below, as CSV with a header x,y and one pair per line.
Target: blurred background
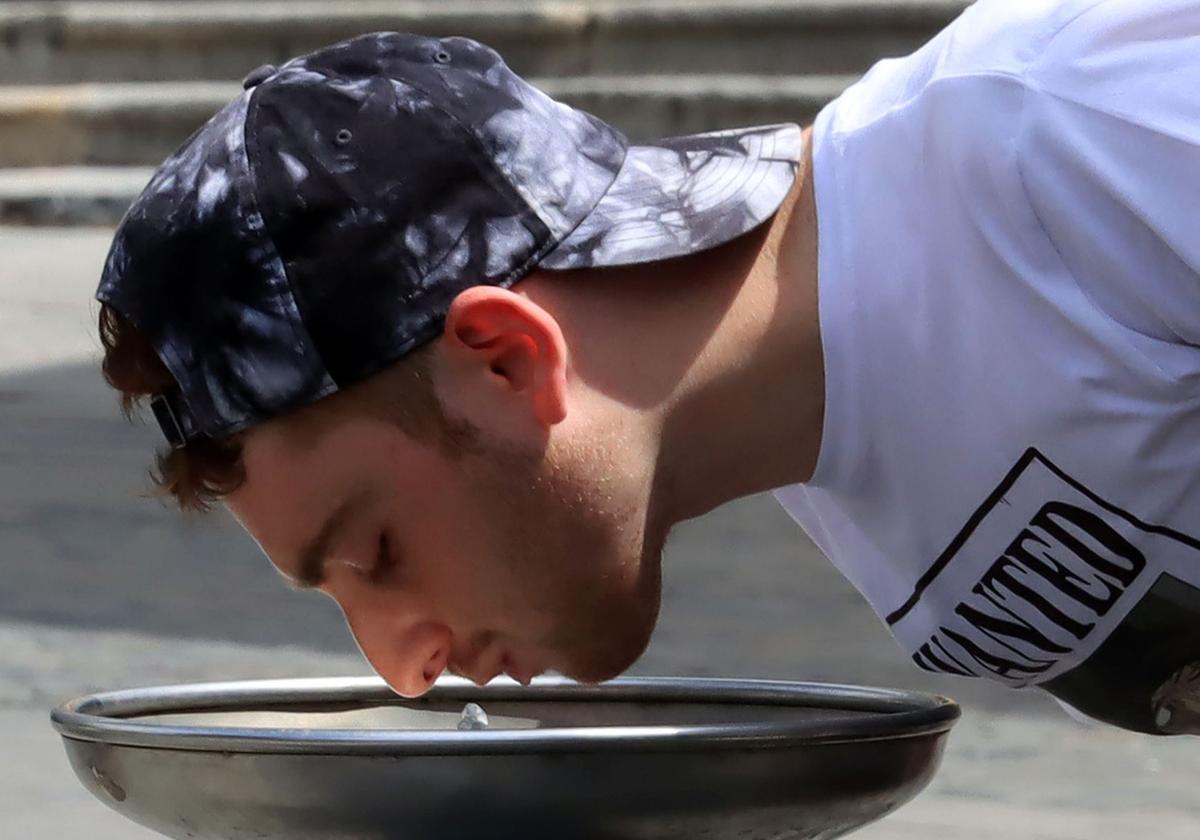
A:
x,y
101,588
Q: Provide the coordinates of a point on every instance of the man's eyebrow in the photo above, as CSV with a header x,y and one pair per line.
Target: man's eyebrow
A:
x,y
310,570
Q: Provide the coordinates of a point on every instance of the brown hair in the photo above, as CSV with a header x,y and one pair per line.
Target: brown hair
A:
x,y
206,470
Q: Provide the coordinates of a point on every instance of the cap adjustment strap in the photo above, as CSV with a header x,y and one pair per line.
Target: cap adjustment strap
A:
x,y
169,420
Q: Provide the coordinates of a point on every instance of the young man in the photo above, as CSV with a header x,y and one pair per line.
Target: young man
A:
x,y
459,356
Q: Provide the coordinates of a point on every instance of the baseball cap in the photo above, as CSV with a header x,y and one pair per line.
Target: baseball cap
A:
x,y
317,228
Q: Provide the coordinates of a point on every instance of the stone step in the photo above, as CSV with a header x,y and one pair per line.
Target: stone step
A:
x,y
73,195
63,42
140,123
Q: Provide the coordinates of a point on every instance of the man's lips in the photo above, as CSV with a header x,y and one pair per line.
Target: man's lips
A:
x,y
477,675
506,664
511,667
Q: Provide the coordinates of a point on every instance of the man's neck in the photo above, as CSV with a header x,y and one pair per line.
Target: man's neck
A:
x,y
751,417
715,359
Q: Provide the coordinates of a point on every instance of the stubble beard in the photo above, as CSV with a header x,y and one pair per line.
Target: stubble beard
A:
x,y
606,561
564,522
619,626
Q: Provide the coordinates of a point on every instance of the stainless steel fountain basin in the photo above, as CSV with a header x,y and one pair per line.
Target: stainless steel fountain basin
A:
x,y
636,758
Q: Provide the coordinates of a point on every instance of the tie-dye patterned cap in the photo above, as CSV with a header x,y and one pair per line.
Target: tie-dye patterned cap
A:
x,y
319,226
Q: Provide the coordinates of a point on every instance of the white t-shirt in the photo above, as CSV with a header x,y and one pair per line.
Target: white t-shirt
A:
x,y
1009,275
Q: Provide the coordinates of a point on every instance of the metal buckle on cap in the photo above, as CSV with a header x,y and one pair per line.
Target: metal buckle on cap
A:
x,y
172,429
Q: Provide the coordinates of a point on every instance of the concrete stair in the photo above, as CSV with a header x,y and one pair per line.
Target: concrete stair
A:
x,y
162,41
132,123
69,195
94,94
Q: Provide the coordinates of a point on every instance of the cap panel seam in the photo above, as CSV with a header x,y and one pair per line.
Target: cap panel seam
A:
x,y
493,166
515,192
471,132
505,183
291,307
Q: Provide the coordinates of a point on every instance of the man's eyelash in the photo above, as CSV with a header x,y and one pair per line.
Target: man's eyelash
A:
x,y
383,559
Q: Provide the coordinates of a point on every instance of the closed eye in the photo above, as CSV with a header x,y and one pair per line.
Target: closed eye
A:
x,y
384,561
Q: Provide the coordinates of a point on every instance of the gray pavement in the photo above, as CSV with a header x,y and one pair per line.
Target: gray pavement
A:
x,y
104,589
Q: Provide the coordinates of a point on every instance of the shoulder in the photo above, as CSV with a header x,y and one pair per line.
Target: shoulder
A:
x,y
992,44
1108,151
1134,60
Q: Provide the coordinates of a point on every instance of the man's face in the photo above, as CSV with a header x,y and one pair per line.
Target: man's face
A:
x,y
482,562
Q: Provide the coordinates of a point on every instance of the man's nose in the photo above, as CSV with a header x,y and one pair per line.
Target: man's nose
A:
x,y
411,660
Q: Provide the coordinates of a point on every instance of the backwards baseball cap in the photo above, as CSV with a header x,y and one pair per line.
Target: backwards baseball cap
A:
x,y
319,226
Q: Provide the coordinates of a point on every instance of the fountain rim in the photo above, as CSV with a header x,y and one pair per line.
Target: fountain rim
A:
x,y
108,717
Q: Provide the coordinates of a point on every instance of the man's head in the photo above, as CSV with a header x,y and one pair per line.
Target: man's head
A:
x,y
484,504
317,292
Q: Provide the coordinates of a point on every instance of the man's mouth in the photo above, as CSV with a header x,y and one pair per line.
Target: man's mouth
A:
x,y
523,675
476,675
481,674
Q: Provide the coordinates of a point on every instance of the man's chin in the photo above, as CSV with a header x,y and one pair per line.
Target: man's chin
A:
x,y
627,628
609,666
595,676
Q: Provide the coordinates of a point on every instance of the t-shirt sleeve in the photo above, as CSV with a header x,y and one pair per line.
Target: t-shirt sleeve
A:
x,y
1109,155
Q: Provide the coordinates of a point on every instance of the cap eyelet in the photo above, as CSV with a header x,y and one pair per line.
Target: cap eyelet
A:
x,y
343,136
441,57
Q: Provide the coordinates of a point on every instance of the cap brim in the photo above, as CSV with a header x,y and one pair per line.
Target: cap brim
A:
x,y
681,195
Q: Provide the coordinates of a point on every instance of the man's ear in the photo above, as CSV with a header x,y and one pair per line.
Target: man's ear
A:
x,y
509,353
